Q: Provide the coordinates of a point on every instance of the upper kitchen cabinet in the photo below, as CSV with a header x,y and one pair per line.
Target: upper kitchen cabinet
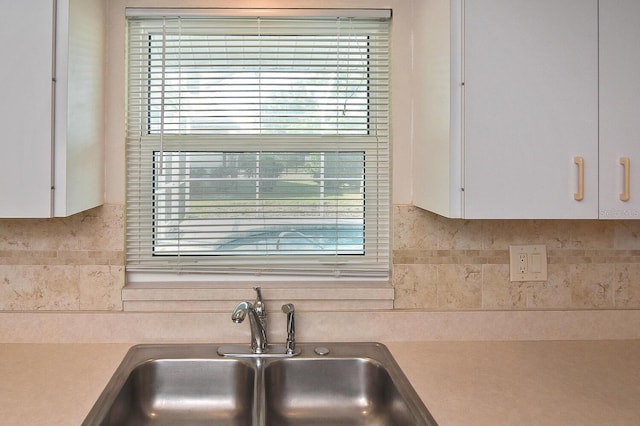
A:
x,y
51,110
506,108
619,109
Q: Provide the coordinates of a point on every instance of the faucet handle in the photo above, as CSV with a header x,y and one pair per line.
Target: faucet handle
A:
x,y
260,307
259,304
258,294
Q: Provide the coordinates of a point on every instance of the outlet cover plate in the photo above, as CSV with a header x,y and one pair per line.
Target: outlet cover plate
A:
x,y
528,262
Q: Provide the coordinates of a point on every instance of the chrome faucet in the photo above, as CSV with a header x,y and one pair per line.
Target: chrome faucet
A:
x,y
290,345
257,321
257,313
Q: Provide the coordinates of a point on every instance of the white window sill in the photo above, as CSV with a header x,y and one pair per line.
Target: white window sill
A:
x,y
199,296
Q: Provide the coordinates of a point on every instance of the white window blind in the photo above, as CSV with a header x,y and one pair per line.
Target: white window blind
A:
x,y
258,145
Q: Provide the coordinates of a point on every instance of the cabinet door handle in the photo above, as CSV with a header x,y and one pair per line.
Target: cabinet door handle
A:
x,y
579,196
626,166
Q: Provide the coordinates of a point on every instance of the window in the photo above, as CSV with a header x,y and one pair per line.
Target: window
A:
x,y
258,145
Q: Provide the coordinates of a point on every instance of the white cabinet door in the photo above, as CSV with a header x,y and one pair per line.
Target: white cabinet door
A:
x,y
79,120
530,108
26,97
51,133
619,108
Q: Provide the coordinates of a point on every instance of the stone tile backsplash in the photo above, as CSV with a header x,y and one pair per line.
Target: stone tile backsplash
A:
x,y
63,264
450,264
77,263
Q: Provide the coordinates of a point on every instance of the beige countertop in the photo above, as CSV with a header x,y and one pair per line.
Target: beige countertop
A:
x,y
462,383
526,383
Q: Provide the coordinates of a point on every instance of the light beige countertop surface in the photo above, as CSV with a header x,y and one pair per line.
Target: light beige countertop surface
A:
x,y
526,383
462,383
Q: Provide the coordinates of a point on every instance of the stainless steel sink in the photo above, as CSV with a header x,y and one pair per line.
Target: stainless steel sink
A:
x,y
327,384
356,391
177,384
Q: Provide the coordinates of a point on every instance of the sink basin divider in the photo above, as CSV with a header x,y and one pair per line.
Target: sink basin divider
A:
x,y
259,395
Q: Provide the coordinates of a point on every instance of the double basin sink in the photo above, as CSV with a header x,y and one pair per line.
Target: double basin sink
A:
x,y
325,384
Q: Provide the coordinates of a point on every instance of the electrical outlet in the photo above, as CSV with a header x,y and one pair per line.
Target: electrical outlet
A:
x,y
523,263
528,263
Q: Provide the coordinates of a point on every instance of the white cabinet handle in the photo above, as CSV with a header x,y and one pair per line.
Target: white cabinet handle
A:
x,y
626,194
579,196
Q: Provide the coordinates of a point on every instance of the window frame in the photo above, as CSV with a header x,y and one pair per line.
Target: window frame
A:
x,y
230,143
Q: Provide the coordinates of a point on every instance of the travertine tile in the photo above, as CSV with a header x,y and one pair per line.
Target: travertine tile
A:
x,y
500,234
627,234
22,234
459,286
38,288
498,292
101,228
457,234
44,262
592,286
592,234
627,286
100,288
415,286
581,255
555,293
439,263
413,228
